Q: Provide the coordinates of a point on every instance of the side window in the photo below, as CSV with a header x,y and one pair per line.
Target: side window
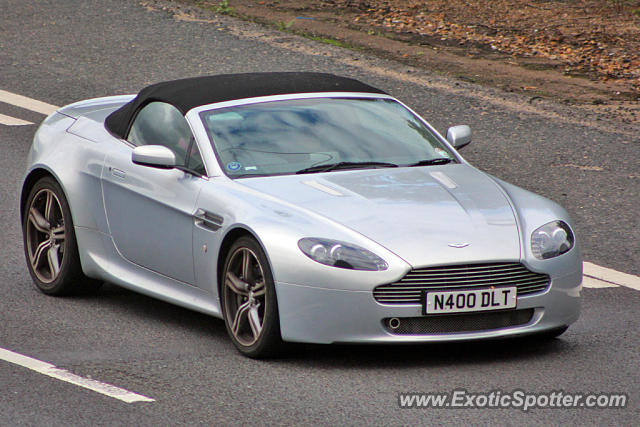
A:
x,y
194,161
159,123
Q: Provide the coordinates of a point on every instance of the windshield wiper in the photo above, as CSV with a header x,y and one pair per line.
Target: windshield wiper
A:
x,y
429,162
345,165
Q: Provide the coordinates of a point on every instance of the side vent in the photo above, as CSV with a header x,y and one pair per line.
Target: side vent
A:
x,y
207,220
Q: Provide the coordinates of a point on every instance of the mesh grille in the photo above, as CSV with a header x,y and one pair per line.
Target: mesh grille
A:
x,y
410,288
460,322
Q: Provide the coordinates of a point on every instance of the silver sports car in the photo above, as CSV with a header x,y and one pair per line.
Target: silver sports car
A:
x,y
298,207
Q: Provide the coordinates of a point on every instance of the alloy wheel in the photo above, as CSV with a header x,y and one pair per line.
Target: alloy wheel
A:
x,y
244,296
45,235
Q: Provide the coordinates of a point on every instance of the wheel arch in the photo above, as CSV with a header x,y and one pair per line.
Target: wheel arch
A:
x,y
30,181
74,270
233,234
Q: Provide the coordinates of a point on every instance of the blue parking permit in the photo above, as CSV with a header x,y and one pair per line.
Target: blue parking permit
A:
x,y
233,166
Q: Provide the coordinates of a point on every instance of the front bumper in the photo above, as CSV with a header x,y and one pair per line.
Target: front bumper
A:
x,y
323,316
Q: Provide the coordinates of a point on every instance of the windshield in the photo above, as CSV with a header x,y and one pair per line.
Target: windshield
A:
x,y
302,135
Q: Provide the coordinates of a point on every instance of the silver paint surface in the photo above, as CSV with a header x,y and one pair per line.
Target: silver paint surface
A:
x,y
139,227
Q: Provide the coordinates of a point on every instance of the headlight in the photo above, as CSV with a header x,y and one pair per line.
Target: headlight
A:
x,y
551,240
340,254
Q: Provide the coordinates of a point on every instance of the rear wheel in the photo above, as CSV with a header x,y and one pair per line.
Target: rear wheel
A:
x,y
49,241
249,300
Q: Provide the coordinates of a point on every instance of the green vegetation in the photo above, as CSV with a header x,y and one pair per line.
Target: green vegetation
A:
x,y
223,8
330,41
284,26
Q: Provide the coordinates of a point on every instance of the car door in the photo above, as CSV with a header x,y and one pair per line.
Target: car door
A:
x,y
150,210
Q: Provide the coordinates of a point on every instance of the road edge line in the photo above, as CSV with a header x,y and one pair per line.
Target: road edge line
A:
x,y
609,275
63,375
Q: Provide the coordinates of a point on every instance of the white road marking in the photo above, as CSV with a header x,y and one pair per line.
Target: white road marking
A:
x,y
591,282
64,375
12,121
611,276
27,103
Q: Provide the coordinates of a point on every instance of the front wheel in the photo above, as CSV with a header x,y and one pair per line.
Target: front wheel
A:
x,y
49,241
249,301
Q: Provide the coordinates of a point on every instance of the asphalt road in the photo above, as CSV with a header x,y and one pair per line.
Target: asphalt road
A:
x,y
62,51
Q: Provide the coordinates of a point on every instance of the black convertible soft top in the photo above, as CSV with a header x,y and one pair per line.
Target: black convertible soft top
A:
x,y
186,94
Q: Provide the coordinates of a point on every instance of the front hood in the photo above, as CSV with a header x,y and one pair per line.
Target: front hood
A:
x,y
418,213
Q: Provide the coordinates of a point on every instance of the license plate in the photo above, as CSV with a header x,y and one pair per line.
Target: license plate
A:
x,y
470,300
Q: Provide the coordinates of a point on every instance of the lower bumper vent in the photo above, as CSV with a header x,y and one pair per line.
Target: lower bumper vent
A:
x,y
448,323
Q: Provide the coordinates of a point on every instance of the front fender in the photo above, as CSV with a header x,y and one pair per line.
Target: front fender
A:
x,y
76,163
533,211
279,225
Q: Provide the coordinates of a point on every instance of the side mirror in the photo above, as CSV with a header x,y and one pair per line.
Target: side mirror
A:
x,y
156,156
459,136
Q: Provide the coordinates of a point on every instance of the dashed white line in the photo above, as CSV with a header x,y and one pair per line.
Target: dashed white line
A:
x,y
12,121
64,375
27,103
613,277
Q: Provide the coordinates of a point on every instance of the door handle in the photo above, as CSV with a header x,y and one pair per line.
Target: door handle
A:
x,y
118,173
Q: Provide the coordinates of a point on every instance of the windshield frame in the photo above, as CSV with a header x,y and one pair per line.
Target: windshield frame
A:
x,y
194,116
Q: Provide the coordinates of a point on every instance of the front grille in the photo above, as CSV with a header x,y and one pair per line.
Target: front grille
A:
x,y
410,288
459,322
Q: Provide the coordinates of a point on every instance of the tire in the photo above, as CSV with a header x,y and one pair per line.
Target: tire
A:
x,y
249,303
50,246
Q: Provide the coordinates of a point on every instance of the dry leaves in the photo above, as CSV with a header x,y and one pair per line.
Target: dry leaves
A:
x,y
585,36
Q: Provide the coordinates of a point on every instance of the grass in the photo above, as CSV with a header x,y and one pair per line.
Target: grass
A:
x,y
326,40
222,7
284,26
